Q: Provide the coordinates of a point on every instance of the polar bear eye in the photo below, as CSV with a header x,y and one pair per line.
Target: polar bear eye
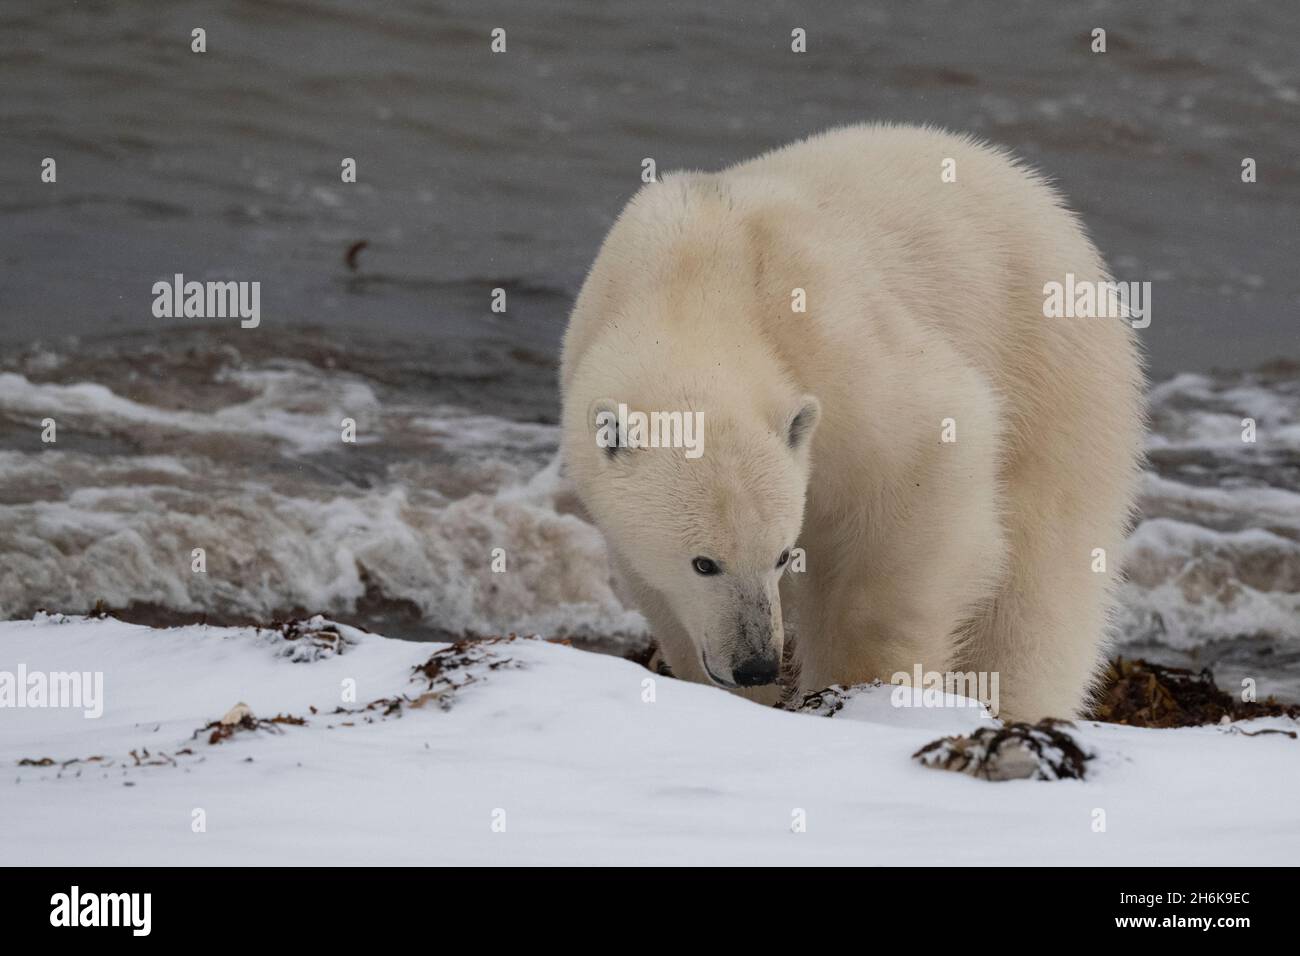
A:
x,y
705,566
785,556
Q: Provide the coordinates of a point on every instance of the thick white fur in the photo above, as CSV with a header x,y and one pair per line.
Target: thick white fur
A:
x,y
924,303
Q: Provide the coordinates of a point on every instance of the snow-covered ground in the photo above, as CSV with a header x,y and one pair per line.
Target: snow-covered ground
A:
x,y
535,753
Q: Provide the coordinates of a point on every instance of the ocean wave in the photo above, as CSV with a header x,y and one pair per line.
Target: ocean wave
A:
x,y
269,552
290,517
1188,584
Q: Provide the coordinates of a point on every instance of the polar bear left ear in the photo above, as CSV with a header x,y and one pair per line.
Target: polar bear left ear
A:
x,y
801,425
603,420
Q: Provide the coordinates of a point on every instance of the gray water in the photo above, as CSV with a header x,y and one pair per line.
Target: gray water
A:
x,y
478,170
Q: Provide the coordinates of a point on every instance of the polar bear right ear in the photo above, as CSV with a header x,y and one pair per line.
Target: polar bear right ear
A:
x,y
803,422
603,421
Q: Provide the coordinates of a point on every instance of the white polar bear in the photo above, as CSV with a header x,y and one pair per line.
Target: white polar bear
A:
x,y
957,468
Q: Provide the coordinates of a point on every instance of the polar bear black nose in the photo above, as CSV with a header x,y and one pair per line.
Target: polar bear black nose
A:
x,y
756,671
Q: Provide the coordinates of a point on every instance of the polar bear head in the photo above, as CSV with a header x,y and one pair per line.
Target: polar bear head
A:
x,y
704,529
685,315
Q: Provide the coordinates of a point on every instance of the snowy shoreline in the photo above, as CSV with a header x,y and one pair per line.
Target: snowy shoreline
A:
x,y
433,755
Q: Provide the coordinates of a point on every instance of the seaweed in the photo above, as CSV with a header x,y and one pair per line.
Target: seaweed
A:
x,y
1012,752
826,702
50,761
647,656
448,670
241,718
1142,694
306,640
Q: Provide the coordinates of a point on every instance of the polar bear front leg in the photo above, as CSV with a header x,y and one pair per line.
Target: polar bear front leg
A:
x,y
1044,634
871,648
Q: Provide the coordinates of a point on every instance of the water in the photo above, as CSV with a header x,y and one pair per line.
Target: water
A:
x,y
479,171
1214,565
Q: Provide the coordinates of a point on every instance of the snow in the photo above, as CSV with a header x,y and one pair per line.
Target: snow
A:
x,y
585,769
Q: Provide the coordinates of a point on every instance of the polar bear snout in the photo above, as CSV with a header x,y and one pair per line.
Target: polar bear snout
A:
x,y
752,656
757,671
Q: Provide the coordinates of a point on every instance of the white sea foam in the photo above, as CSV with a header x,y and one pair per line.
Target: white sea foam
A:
x,y
1189,584
298,408
268,551
77,527
1200,412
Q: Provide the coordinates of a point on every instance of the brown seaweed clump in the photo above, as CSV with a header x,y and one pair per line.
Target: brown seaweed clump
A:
x,y
306,640
460,663
1012,752
1141,694
241,718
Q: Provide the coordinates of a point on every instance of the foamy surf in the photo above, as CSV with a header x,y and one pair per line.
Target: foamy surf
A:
x,y
404,524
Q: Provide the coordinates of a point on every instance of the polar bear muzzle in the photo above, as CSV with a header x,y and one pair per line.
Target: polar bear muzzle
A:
x,y
749,655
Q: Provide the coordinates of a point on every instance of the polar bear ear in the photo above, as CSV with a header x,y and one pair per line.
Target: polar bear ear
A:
x,y
803,422
603,421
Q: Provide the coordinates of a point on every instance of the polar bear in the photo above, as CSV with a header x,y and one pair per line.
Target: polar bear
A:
x,y
857,322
